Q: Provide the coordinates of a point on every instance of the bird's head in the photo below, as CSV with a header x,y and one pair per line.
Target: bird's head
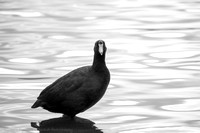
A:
x,y
100,47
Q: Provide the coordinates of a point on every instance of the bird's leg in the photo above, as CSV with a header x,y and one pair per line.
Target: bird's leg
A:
x,y
71,117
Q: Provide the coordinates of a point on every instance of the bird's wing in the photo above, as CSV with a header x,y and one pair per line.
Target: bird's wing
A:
x,y
64,86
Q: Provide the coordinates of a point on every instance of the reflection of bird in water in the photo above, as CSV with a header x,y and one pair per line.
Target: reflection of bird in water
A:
x,y
78,90
66,125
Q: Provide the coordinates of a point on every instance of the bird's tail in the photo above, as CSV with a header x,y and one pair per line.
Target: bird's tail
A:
x,y
37,104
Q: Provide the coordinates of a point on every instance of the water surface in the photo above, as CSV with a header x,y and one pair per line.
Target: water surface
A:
x,y
153,56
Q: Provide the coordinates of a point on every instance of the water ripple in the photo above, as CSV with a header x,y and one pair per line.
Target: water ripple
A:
x,y
187,105
25,60
10,71
22,14
178,54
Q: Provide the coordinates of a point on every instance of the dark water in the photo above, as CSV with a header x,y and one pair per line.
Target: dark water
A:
x,y
153,56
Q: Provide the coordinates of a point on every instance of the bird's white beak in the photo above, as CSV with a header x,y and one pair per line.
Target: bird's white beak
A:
x,y
101,49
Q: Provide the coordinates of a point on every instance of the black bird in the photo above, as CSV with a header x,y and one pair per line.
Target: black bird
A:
x,y
78,90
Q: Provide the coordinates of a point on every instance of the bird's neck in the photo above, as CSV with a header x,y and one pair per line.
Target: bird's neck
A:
x,y
99,62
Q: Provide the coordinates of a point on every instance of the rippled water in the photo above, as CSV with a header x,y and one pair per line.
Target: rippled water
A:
x,y
153,56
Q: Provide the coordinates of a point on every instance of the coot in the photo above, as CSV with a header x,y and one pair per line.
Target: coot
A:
x,y
78,90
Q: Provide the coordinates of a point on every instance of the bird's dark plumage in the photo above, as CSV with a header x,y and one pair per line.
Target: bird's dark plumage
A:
x,y
78,90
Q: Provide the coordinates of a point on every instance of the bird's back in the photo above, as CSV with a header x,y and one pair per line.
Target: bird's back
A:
x,y
64,86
